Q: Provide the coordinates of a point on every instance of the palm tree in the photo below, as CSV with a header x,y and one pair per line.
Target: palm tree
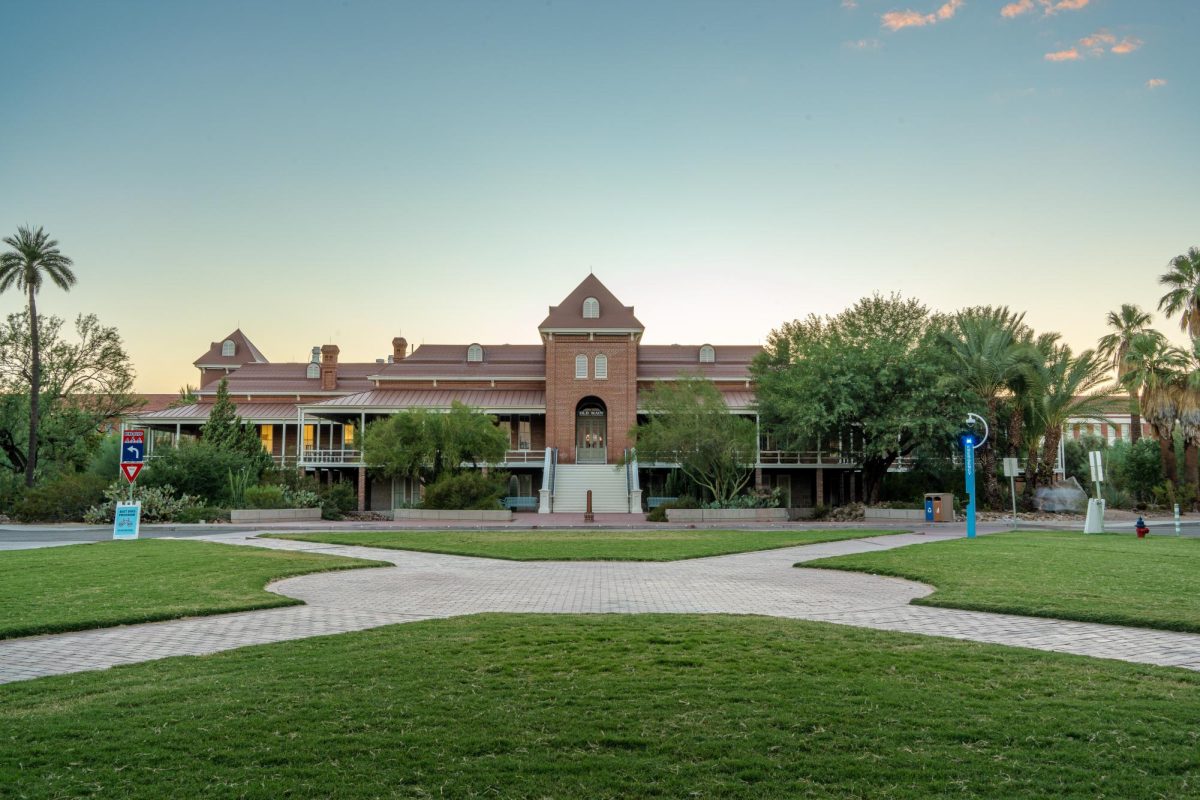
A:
x,y
988,345
1153,366
1127,323
1183,297
1065,386
33,257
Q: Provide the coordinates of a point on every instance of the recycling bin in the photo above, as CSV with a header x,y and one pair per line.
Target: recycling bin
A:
x,y
939,507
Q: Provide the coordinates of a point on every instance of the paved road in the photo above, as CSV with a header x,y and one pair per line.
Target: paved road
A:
x,y
428,585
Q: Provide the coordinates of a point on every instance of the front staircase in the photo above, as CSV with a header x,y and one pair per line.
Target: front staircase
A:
x,y
608,482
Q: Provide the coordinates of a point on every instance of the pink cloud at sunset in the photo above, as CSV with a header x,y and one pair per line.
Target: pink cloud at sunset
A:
x,y
1048,7
1154,83
896,20
1064,55
1127,45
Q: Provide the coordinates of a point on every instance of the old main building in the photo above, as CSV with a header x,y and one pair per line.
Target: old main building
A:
x,y
568,405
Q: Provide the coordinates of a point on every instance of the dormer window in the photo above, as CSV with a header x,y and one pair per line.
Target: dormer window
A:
x,y
580,367
314,371
591,308
228,348
474,354
707,354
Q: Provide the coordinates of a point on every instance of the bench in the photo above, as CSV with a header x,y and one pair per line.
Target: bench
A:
x,y
654,502
521,503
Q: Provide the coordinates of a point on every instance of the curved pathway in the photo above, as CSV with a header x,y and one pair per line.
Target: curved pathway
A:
x,y
427,585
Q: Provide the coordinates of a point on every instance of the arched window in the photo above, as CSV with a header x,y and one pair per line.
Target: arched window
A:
x,y
314,370
591,308
228,348
474,353
580,366
601,367
707,354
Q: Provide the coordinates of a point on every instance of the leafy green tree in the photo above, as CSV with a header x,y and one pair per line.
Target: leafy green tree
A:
x,y
34,257
86,381
688,423
226,431
425,445
1183,295
877,371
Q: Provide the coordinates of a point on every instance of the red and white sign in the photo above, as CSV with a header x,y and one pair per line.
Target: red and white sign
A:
x,y
130,471
134,436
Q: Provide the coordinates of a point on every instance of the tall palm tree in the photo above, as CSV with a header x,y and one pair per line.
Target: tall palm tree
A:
x,y
987,344
34,257
1183,297
1153,366
1127,323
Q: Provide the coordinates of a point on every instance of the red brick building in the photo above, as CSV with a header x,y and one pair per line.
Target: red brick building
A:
x,y
568,405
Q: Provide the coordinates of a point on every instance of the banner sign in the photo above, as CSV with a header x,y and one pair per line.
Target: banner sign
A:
x,y
127,520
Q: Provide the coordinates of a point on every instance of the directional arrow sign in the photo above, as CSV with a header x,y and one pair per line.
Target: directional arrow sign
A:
x,y
131,471
133,446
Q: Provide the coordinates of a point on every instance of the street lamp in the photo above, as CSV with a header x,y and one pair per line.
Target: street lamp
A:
x,y
970,443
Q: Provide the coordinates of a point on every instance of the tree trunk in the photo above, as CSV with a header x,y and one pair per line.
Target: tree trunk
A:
x,y
1135,420
1166,451
34,389
1191,466
1045,467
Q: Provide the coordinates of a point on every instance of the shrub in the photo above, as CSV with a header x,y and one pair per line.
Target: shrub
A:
x,y
758,499
466,491
300,498
200,469
820,511
12,489
338,500
63,499
159,503
193,514
263,497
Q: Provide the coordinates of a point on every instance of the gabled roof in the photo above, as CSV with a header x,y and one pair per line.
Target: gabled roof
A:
x,y
244,353
449,361
568,315
292,378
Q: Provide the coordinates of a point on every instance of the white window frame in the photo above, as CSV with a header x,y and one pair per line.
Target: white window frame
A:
x,y
581,367
601,367
711,353
591,308
228,348
475,354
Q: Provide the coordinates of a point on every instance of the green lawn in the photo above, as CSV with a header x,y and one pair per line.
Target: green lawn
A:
x,y
600,545
1122,580
117,583
606,706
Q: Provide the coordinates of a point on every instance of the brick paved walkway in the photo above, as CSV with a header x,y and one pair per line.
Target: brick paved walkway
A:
x,y
428,585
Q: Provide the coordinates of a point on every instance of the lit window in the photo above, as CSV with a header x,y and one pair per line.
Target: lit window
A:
x,y
580,367
474,353
266,435
228,348
310,432
601,367
348,434
591,308
707,354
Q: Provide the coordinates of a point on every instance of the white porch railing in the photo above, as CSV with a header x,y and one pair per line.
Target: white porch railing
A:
x,y
339,457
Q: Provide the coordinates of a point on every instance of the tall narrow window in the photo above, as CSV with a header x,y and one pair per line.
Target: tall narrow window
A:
x,y
266,435
474,353
707,354
348,434
228,348
310,435
591,308
601,367
580,367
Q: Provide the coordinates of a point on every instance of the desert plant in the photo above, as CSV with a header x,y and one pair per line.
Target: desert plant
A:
x,y
63,499
263,497
159,503
466,491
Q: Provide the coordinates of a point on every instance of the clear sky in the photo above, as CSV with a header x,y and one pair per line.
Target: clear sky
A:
x,y
348,171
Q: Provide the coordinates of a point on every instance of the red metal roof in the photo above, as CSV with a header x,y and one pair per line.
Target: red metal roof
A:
x,y
293,379
244,353
198,413
450,361
569,313
487,399
731,362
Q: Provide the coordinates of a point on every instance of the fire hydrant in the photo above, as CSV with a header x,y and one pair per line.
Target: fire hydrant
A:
x,y
1140,527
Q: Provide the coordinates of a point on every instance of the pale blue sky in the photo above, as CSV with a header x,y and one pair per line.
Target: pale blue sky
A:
x,y
319,171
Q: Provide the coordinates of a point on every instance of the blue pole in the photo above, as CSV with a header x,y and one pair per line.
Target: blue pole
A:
x,y
969,473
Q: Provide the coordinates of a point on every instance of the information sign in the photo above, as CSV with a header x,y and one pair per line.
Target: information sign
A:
x,y
127,520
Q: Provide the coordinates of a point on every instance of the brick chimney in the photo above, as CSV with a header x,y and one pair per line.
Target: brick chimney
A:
x,y
399,348
329,354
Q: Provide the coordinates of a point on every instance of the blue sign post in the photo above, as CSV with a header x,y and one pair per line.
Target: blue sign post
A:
x,y
968,441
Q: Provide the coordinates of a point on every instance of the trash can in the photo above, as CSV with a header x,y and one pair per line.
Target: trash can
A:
x,y
939,507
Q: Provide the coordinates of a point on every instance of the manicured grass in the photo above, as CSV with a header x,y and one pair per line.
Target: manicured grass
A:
x,y
118,583
601,545
1115,579
608,706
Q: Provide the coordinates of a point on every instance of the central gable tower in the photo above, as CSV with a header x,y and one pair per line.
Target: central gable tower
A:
x,y
591,343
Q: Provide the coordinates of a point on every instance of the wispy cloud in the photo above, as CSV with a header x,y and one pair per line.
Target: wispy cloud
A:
x,y
864,44
1097,41
1047,6
850,4
1154,83
896,20
1064,55
1127,45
